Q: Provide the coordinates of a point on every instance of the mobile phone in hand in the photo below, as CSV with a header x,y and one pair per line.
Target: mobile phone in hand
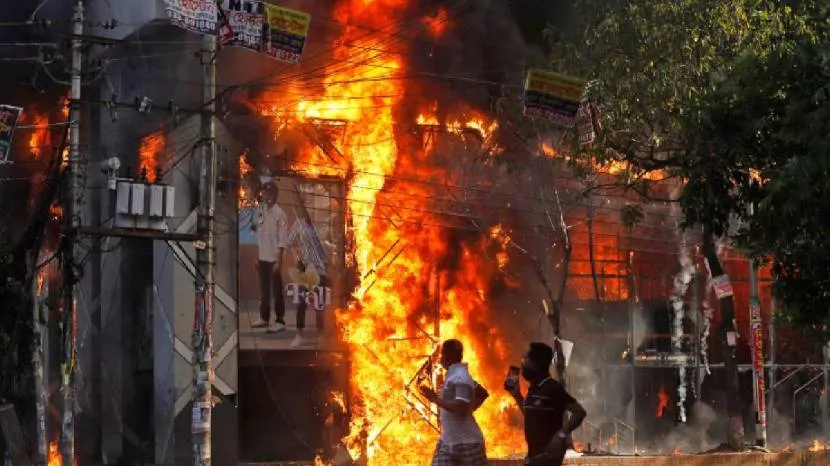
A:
x,y
511,382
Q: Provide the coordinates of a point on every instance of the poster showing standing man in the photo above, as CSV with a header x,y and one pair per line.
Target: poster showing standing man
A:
x,y
291,265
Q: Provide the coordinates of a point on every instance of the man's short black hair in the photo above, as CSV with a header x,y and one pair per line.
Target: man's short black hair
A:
x,y
453,348
271,188
541,354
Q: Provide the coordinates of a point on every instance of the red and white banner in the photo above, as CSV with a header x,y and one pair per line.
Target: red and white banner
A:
x,y
245,23
722,286
200,16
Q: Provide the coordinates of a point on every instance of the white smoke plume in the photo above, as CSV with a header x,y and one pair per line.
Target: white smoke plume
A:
x,y
681,285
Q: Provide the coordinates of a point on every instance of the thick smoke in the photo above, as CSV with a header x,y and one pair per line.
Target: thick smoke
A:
x,y
480,53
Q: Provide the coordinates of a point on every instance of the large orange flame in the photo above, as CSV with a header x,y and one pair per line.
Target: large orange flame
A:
x,y
437,24
149,155
40,138
608,167
662,402
390,325
54,455
246,198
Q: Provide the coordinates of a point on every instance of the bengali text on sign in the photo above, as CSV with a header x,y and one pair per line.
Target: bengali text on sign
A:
x,y
198,16
285,33
245,22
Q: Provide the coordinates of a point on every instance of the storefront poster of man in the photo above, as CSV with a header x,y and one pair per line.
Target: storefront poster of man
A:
x,y
271,228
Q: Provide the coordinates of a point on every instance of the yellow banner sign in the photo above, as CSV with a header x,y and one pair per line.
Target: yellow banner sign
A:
x,y
553,96
286,32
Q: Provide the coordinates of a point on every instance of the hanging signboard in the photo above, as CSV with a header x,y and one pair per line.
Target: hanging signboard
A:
x,y
722,286
553,96
285,33
587,123
199,16
223,27
245,22
9,116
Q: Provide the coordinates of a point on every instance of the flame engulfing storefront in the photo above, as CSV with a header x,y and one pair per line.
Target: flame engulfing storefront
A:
x,y
454,229
425,245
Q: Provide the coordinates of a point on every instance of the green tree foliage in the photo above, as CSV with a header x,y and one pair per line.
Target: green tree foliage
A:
x,y
654,60
772,115
654,65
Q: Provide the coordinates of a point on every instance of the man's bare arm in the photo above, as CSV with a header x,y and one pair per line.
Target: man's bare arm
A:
x,y
455,406
520,400
578,414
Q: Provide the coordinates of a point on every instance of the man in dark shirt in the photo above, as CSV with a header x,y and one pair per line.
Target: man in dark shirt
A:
x,y
544,407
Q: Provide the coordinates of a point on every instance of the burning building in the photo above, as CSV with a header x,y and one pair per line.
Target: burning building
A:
x,y
425,213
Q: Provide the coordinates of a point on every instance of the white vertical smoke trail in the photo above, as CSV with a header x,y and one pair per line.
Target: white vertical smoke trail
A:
x,y
681,285
708,312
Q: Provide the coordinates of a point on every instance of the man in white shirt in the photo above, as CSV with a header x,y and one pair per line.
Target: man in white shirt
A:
x,y
271,227
461,442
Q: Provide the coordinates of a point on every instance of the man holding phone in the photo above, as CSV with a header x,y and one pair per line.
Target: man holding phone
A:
x,y
544,407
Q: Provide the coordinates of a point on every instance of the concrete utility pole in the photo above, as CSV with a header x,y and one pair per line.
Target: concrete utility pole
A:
x,y
72,222
205,263
757,347
757,350
38,292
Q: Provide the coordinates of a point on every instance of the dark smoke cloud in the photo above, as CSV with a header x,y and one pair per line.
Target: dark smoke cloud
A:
x,y
481,50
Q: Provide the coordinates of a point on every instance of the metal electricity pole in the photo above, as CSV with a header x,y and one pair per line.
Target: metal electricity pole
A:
x,y
205,264
72,222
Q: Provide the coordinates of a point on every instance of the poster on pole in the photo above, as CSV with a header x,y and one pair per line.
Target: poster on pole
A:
x,y
587,123
9,117
245,21
291,264
758,368
199,16
285,33
553,96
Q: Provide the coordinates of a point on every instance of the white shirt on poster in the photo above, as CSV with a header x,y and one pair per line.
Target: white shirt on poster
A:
x,y
272,231
457,429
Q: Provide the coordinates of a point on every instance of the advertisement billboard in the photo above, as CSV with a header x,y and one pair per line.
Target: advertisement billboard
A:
x,y
291,265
